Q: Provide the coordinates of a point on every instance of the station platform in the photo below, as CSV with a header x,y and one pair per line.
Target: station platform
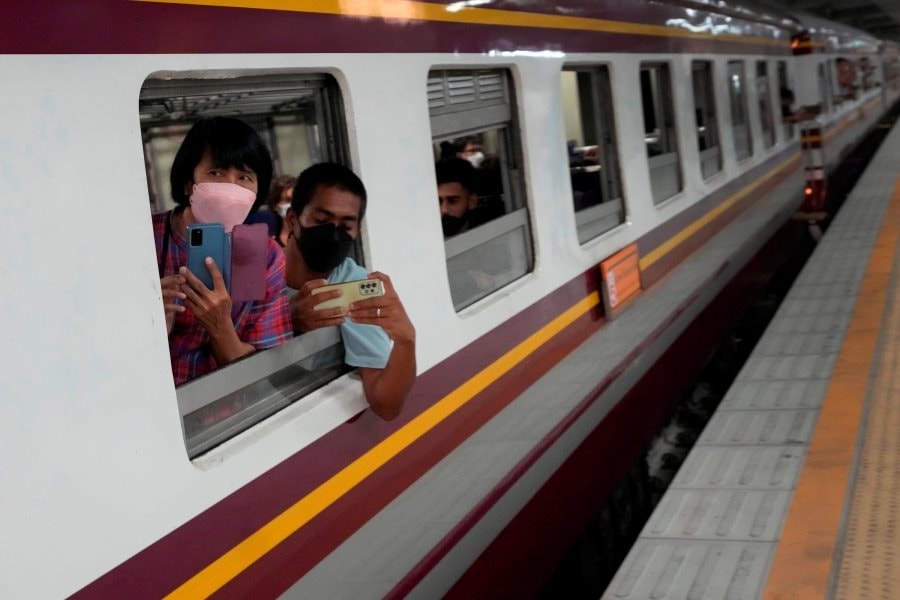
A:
x,y
793,488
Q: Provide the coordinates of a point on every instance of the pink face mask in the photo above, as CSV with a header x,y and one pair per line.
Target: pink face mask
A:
x,y
225,203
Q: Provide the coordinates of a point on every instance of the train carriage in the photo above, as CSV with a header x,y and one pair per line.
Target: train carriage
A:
x,y
845,76
631,144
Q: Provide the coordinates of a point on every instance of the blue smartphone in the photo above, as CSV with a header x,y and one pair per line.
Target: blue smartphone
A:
x,y
207,240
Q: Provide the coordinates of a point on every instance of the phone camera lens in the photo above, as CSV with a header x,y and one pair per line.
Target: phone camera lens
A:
x,y
196,237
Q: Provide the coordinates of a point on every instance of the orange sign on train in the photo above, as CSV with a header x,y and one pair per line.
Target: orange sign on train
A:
x,y
620,279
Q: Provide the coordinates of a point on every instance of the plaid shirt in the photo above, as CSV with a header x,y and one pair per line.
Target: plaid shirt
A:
x,y
262,323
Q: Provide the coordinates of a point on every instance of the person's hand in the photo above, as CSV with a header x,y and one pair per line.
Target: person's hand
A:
x,y
304,315
385,311
171,291
212,307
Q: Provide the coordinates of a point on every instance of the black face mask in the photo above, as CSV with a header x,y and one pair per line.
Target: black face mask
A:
x,y
323,247
452,225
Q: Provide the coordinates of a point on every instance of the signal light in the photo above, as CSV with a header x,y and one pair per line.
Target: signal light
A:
x,y
808,191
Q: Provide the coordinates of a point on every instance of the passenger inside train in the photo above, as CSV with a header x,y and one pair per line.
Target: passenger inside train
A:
x,y
791,115
277,203
846,78
786,96
328,205
216,176
457,195
470,149
486,179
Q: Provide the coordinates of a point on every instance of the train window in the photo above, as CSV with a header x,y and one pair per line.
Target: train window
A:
x,y
764,97
890,67
705,115
833,98
659,131
740,119
838,72
867,74
592,153
847,78
487,236
825,88
300,118
785,85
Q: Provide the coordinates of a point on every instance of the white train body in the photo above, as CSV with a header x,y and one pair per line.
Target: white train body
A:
x,y
95,468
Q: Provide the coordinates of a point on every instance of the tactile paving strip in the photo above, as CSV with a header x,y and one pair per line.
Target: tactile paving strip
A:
x,y
716,530
868,564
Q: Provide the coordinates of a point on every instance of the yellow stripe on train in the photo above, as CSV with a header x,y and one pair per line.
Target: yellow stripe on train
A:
x,y
258,544
410,10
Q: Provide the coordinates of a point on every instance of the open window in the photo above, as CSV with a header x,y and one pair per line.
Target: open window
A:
x,y
764,99
740,118
592,152
300,117
706,119
826,91
660,133
786,95
868,75
473,119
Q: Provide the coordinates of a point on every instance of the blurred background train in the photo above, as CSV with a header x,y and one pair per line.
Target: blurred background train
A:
x,y
650,131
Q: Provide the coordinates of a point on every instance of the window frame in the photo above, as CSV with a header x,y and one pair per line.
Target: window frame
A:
x,y
743,102
492,116
788,130
256,372
708,68
611,212
662,91
826,91
764,104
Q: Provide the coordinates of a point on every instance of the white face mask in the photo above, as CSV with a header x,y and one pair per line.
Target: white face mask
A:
x,y
476,159
282,209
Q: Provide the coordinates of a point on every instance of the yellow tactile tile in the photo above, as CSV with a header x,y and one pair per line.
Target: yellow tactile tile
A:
x,y
803,565
868,566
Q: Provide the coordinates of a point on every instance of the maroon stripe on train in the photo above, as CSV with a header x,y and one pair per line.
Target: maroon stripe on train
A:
x,y
513,566
178,556
175,558
697,16
660,268
661,234
274,574
277,571
406,585
124,26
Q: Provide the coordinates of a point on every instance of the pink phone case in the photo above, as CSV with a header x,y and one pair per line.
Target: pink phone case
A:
x,y
249,245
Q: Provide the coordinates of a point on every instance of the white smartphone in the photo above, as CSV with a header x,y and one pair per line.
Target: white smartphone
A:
x,y
352,291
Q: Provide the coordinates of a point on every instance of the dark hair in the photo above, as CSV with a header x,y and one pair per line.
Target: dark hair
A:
x,y
230,143
280,183
327,174
463,143
448,150
456,170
